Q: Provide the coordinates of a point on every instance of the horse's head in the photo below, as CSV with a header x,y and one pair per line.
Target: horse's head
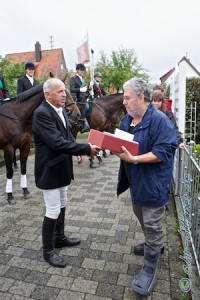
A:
x,y
72,109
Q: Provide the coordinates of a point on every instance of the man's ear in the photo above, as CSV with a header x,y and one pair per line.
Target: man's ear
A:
x,y
141,97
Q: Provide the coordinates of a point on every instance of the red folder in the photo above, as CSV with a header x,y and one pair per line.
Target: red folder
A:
x,y
108,141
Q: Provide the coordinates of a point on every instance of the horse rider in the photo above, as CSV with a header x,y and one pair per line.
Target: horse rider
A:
x,y
97,87
79,92
4,94
98,93
28,81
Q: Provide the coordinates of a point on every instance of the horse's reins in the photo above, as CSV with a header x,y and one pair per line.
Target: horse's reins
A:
x,y
110,116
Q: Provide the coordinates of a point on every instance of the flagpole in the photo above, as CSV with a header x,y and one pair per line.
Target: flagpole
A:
x,y
92,70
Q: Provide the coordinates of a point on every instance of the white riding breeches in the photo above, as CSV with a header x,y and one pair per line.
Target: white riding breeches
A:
x,y
55,199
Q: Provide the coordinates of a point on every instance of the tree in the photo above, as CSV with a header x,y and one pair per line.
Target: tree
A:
x,y
193,94
11,71
122,66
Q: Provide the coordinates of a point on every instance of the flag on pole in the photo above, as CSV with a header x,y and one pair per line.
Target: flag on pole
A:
x,y
83,52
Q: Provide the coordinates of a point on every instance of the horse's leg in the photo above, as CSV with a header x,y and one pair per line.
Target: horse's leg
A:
x,y
24,152
99,159
15,161
8,158
104,153
92,163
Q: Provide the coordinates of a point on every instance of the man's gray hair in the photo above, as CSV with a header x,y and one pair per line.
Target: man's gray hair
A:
x,y
139,86
49,84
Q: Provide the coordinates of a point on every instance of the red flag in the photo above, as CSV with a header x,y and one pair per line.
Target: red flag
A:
x,y
83,53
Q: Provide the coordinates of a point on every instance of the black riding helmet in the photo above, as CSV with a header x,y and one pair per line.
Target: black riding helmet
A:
x,y
29,65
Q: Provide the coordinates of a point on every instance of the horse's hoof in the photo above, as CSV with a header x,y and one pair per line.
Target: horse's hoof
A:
x,y
11,199
92,167
27,196
101,162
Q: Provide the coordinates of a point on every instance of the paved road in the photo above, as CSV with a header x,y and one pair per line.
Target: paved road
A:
x,y
102,266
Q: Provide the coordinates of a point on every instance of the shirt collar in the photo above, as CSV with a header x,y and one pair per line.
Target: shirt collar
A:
x,y
54,107
81,78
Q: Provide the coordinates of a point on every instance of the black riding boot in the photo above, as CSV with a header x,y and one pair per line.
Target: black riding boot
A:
x,y
49,253
86,126
60,239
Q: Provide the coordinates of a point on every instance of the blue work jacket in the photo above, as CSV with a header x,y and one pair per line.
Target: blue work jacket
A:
x,y
149,182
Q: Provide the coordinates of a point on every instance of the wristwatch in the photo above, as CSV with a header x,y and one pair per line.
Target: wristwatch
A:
x,y
135,160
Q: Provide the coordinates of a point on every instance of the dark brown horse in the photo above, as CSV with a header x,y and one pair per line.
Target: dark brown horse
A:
x,y
16,131
105,114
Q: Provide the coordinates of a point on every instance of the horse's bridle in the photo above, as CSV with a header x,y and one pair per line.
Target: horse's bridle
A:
x,y
110,116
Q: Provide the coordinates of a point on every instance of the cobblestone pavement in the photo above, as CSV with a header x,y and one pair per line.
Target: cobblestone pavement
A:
x,y
102,266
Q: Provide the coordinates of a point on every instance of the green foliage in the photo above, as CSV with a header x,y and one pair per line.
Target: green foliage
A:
x,y
11,72
197,148
193,94
120,67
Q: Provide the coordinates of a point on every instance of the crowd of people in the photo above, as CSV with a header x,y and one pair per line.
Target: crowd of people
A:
x,y
148,175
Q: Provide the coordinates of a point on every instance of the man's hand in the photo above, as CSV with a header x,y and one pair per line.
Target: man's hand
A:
x,y
94,150
181,145
80,159
91,83
125,155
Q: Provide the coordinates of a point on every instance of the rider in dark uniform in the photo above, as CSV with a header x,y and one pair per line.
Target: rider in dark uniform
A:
x,y
4,94
28,81
98,93
79,92
97,87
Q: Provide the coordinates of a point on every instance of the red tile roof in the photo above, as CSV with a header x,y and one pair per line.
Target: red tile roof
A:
x,y
166,76
51,61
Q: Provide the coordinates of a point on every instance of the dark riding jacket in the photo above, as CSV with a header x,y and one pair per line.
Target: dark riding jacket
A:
x,y
75,85
3,90
149,182
24,84
54,147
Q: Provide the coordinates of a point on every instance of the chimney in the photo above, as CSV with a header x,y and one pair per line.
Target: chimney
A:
x,y
37,52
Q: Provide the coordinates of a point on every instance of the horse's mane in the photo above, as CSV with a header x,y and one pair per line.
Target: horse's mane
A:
x,y
108,97
27,94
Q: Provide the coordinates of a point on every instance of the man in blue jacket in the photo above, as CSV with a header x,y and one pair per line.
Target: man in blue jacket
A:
x,y
148,175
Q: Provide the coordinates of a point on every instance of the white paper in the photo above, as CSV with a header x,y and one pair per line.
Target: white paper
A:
x,y
124,135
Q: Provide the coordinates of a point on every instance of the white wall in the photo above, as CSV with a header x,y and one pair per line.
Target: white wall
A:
x,y
178,92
